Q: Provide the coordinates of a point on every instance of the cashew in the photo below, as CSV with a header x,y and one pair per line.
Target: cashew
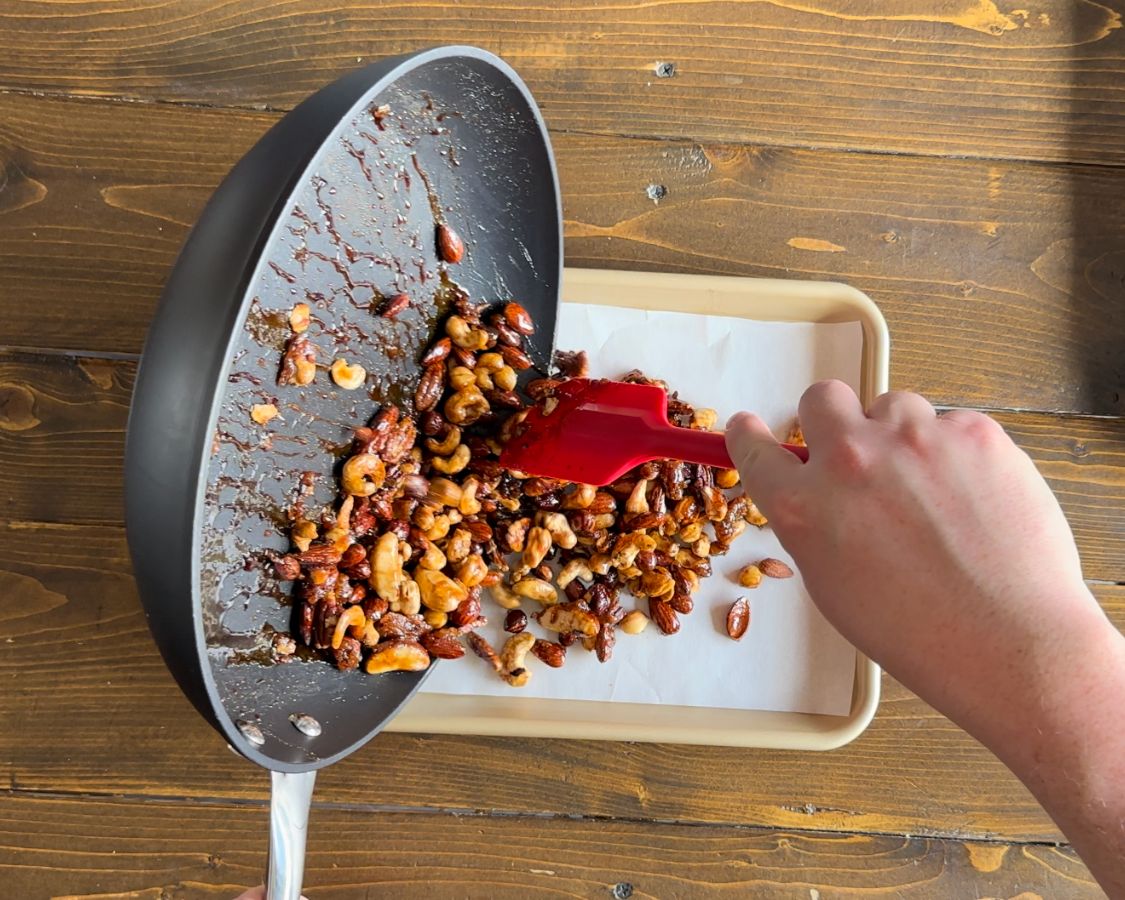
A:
x,y
505,378
351,619
444,492
459,545
512,658
303,534
604,521
566,617
349,377
363,474
409,601
754,515
465,335
504,598
446,446
634,622
536,548
490,362
424,517
625,551
600,563
726,478
435,618
714,504
469,504
581,497
638,499
386,568
472,571
432,557
691,533
398,655
750,576
299,318
466,406
455,463
516,534
461,377
261,413
536,589
576,568
704,419
439,529
559,529
657,583
439,591
702,546
340,533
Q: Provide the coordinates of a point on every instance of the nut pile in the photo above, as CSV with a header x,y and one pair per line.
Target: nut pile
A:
x,y
429,529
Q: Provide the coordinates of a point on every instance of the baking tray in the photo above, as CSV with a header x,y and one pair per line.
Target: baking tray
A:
x,y
755,298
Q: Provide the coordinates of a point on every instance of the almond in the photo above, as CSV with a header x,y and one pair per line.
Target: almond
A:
x,y
774,568
738,619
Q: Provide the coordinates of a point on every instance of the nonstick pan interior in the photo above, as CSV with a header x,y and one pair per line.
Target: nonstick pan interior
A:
x,y
336,207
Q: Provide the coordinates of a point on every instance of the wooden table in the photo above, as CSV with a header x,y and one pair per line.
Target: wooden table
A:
x,y
961,162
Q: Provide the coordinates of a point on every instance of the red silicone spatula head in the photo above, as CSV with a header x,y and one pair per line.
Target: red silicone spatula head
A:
x,y
596,431
591,434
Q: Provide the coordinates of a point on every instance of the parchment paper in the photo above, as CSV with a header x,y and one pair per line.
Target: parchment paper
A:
x,y
791,659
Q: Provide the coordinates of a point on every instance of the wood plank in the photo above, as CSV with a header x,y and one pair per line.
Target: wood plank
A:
x,y
87,848
62,436
98,713
968,77
1000,281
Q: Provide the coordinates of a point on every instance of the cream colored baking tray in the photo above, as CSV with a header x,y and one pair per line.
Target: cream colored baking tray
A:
x,y
755,298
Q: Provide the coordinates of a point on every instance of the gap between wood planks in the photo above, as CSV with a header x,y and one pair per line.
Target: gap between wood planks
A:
x,y
16,792
578,132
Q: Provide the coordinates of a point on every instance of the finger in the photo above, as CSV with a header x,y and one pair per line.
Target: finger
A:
x,y
827,410
258,893
900,407
976,423
764,466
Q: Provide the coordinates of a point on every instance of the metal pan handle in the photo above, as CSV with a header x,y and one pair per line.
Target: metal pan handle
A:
x,y
290,799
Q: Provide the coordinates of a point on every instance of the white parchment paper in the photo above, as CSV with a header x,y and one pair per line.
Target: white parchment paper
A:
x,y
791,659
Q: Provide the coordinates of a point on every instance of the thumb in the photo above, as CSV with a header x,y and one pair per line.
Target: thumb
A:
x,y
764,466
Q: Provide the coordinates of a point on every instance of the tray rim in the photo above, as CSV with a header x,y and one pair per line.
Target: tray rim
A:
x,y
773,299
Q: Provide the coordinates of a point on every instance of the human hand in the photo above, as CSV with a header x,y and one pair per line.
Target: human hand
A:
x,y
935,547
258,893
931,543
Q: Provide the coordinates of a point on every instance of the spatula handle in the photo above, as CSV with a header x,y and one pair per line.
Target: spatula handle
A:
x,y
707,447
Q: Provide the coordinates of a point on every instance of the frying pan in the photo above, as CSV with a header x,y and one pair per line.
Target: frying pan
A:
x,y
336,206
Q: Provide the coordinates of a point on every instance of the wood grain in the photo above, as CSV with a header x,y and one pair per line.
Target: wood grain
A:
x,y
98,713
1001,282
106,849
62,437
966,77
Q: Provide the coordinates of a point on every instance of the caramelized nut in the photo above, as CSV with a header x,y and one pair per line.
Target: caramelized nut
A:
x,y
738,618
750,576
349,377
262,413
299,318
774,568
634,622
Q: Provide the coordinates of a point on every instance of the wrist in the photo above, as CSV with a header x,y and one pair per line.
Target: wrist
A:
x,y
1063,729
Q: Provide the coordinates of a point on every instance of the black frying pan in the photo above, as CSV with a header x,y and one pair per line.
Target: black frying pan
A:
x,y
336,207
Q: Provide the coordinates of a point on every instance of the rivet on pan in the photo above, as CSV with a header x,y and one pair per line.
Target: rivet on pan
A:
x,y
656,192
305,724
252,733
664,69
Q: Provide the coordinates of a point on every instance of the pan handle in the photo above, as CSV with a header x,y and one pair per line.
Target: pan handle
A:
x,y
290,799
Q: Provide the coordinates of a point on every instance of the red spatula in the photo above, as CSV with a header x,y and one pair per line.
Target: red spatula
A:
x,y
599,430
